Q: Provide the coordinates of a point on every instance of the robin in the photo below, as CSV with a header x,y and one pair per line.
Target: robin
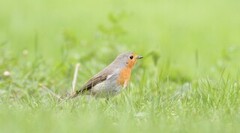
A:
x,y
112,79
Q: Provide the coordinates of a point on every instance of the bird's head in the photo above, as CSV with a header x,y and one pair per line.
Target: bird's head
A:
x,y
128,59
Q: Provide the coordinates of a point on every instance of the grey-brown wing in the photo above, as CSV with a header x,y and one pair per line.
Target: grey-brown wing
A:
x,y
89,85
92,82
98,78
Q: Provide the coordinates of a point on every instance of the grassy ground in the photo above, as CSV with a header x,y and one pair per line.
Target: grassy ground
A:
x,y
187,82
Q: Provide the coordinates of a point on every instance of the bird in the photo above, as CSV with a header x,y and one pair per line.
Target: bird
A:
x,y
112,79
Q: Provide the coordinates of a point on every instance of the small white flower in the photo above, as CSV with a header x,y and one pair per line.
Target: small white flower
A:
x,y
7,73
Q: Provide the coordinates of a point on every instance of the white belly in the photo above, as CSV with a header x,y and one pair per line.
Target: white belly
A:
x,y
105,89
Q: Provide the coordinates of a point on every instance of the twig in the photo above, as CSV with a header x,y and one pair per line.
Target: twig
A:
x,y
75,78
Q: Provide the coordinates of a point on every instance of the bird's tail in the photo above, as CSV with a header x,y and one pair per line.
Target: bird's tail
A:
x,y
73,95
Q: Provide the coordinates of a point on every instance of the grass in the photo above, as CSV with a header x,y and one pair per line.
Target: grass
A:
x,y
187,82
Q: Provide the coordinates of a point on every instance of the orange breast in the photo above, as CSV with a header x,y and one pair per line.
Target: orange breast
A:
x,y
124,76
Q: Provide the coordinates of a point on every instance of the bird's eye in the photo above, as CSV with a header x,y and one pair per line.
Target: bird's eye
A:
x,y
131,57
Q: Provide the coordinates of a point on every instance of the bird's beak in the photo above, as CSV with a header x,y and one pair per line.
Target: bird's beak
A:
x,y
139,57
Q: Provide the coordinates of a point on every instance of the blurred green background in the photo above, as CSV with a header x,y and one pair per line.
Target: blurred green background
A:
x,y
178,30
185,43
